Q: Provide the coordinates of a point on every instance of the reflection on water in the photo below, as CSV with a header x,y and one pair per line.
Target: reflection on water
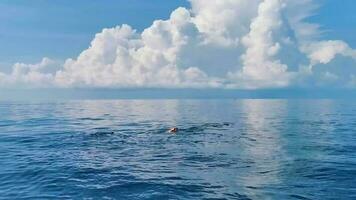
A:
x,y
263,144
226,149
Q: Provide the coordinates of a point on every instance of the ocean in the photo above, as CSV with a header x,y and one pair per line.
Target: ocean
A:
x,y
224,149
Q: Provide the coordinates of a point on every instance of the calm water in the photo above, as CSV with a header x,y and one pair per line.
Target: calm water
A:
x,y
226,149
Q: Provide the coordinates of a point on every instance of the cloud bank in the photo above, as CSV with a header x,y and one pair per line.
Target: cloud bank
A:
x,y
244,44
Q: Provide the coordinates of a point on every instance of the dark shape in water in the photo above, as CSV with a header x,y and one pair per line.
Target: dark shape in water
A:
x,y
173,130
99,134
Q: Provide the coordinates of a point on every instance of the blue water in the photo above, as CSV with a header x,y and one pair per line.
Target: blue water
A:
x,y
226,149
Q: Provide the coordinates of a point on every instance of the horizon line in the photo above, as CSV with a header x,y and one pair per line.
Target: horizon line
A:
x,y
177,93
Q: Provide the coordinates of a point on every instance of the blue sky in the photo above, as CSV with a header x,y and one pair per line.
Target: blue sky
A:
x,y
338,19
230,44
60,29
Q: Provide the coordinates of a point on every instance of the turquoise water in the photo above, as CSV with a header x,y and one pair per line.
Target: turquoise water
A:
x,y
226,149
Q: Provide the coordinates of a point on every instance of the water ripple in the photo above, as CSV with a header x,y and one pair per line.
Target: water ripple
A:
x,y
225,149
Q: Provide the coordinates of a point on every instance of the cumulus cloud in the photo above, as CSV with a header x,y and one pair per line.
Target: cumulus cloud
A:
x,y
224,22
30,75
325,51
261,67
248,44
120,57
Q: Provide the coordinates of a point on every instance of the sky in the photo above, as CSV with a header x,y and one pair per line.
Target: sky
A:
x,y
228,44
59,29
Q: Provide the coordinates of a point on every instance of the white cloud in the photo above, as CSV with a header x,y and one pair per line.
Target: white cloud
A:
x,y
261,68
120,57
224,22
30,75
218,43
325,51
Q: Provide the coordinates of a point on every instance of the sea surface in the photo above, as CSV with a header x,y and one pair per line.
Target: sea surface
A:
x,y
225,149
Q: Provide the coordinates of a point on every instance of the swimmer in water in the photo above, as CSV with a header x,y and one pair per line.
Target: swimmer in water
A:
x,y
173,130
